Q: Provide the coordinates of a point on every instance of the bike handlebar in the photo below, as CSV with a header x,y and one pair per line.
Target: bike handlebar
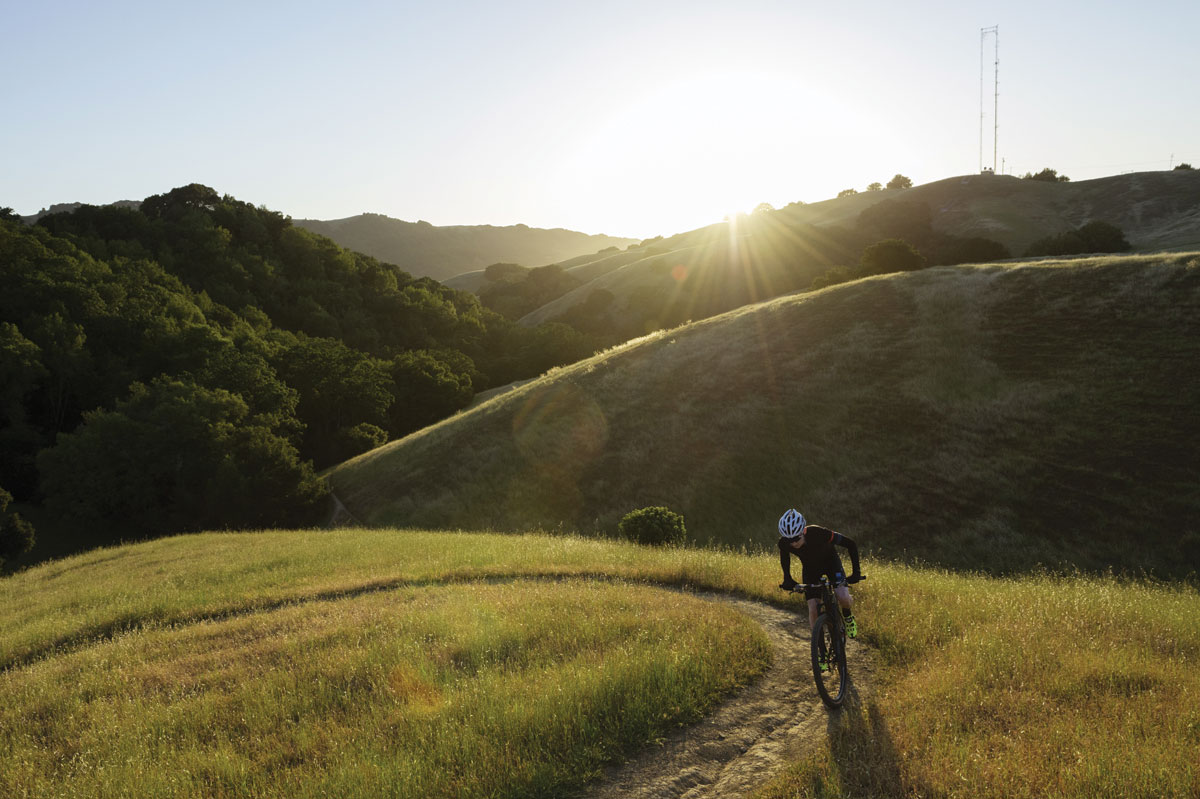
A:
x,y
825,581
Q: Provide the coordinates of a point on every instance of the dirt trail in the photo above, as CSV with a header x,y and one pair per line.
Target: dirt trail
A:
x,y
751,735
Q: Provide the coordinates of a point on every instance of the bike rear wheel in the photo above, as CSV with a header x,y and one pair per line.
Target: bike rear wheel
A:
x,y
829,661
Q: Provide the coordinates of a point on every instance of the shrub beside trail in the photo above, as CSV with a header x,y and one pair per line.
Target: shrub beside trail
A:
x,y
654,525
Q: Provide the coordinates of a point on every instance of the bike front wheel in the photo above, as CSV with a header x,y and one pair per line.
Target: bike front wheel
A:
x,y
829,661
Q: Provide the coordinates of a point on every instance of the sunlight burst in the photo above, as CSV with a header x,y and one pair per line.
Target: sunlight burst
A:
x,y
693,148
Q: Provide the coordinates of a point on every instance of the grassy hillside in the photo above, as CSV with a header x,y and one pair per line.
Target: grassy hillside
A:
x,y
705,273
981,417
426,250
361,663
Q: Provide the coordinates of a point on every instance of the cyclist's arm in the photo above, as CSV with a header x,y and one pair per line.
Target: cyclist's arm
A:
x,y
785,556
852,547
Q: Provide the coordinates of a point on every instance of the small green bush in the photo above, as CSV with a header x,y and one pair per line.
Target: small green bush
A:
x,y
655,525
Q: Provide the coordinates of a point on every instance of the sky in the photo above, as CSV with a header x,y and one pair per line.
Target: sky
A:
x,y
631,119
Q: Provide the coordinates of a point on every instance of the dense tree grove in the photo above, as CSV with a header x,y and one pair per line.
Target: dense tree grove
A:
x,y
1095,236
177,456
513,291
189,364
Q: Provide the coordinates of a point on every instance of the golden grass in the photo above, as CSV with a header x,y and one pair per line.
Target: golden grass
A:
x,y
481,689
211,576
241,664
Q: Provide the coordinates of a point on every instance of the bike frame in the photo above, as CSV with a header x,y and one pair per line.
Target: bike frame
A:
x,y
832,681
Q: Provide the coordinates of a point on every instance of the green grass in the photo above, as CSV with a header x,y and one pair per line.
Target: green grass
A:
x,y
995,417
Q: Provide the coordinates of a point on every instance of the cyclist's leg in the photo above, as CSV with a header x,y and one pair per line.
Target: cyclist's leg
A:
x,y
833,568
810,575
844,598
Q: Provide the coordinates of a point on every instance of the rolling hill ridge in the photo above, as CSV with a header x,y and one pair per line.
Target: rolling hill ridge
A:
x,y
967,219
426,250
982,417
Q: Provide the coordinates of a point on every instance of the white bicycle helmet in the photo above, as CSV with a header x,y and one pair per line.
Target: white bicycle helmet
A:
x,y
791,524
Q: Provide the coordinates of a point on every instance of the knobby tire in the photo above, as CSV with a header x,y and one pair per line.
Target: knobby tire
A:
x,y
831,684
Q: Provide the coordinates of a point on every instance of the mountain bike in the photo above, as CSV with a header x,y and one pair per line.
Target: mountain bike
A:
x,y
829,645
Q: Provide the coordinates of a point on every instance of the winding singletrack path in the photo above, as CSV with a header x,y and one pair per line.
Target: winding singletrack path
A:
x,y
750,736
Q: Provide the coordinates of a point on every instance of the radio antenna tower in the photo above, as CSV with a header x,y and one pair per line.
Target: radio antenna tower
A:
x,y
994,31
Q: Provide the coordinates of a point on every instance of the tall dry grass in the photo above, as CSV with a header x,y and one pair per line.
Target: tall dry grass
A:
x,y
453,684
1046,686
187,579
351,661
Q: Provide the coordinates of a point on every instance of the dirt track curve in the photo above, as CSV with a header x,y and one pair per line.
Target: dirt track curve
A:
x,y
751,735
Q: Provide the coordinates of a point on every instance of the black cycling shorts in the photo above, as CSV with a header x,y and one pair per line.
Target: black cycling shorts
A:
x,y
831,567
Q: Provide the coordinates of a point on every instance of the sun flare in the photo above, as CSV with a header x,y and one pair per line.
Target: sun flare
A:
x,y
704,144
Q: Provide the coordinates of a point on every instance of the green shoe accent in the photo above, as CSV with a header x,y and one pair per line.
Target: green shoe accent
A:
x,y
851,627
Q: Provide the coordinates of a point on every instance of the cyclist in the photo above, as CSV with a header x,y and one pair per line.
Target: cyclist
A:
x,y
814,546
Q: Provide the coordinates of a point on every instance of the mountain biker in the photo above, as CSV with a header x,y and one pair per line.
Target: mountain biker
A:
x,y
814,546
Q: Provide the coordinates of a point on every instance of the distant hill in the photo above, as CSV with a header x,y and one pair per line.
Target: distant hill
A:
x,y
982,417
426,250
585,267
698,273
